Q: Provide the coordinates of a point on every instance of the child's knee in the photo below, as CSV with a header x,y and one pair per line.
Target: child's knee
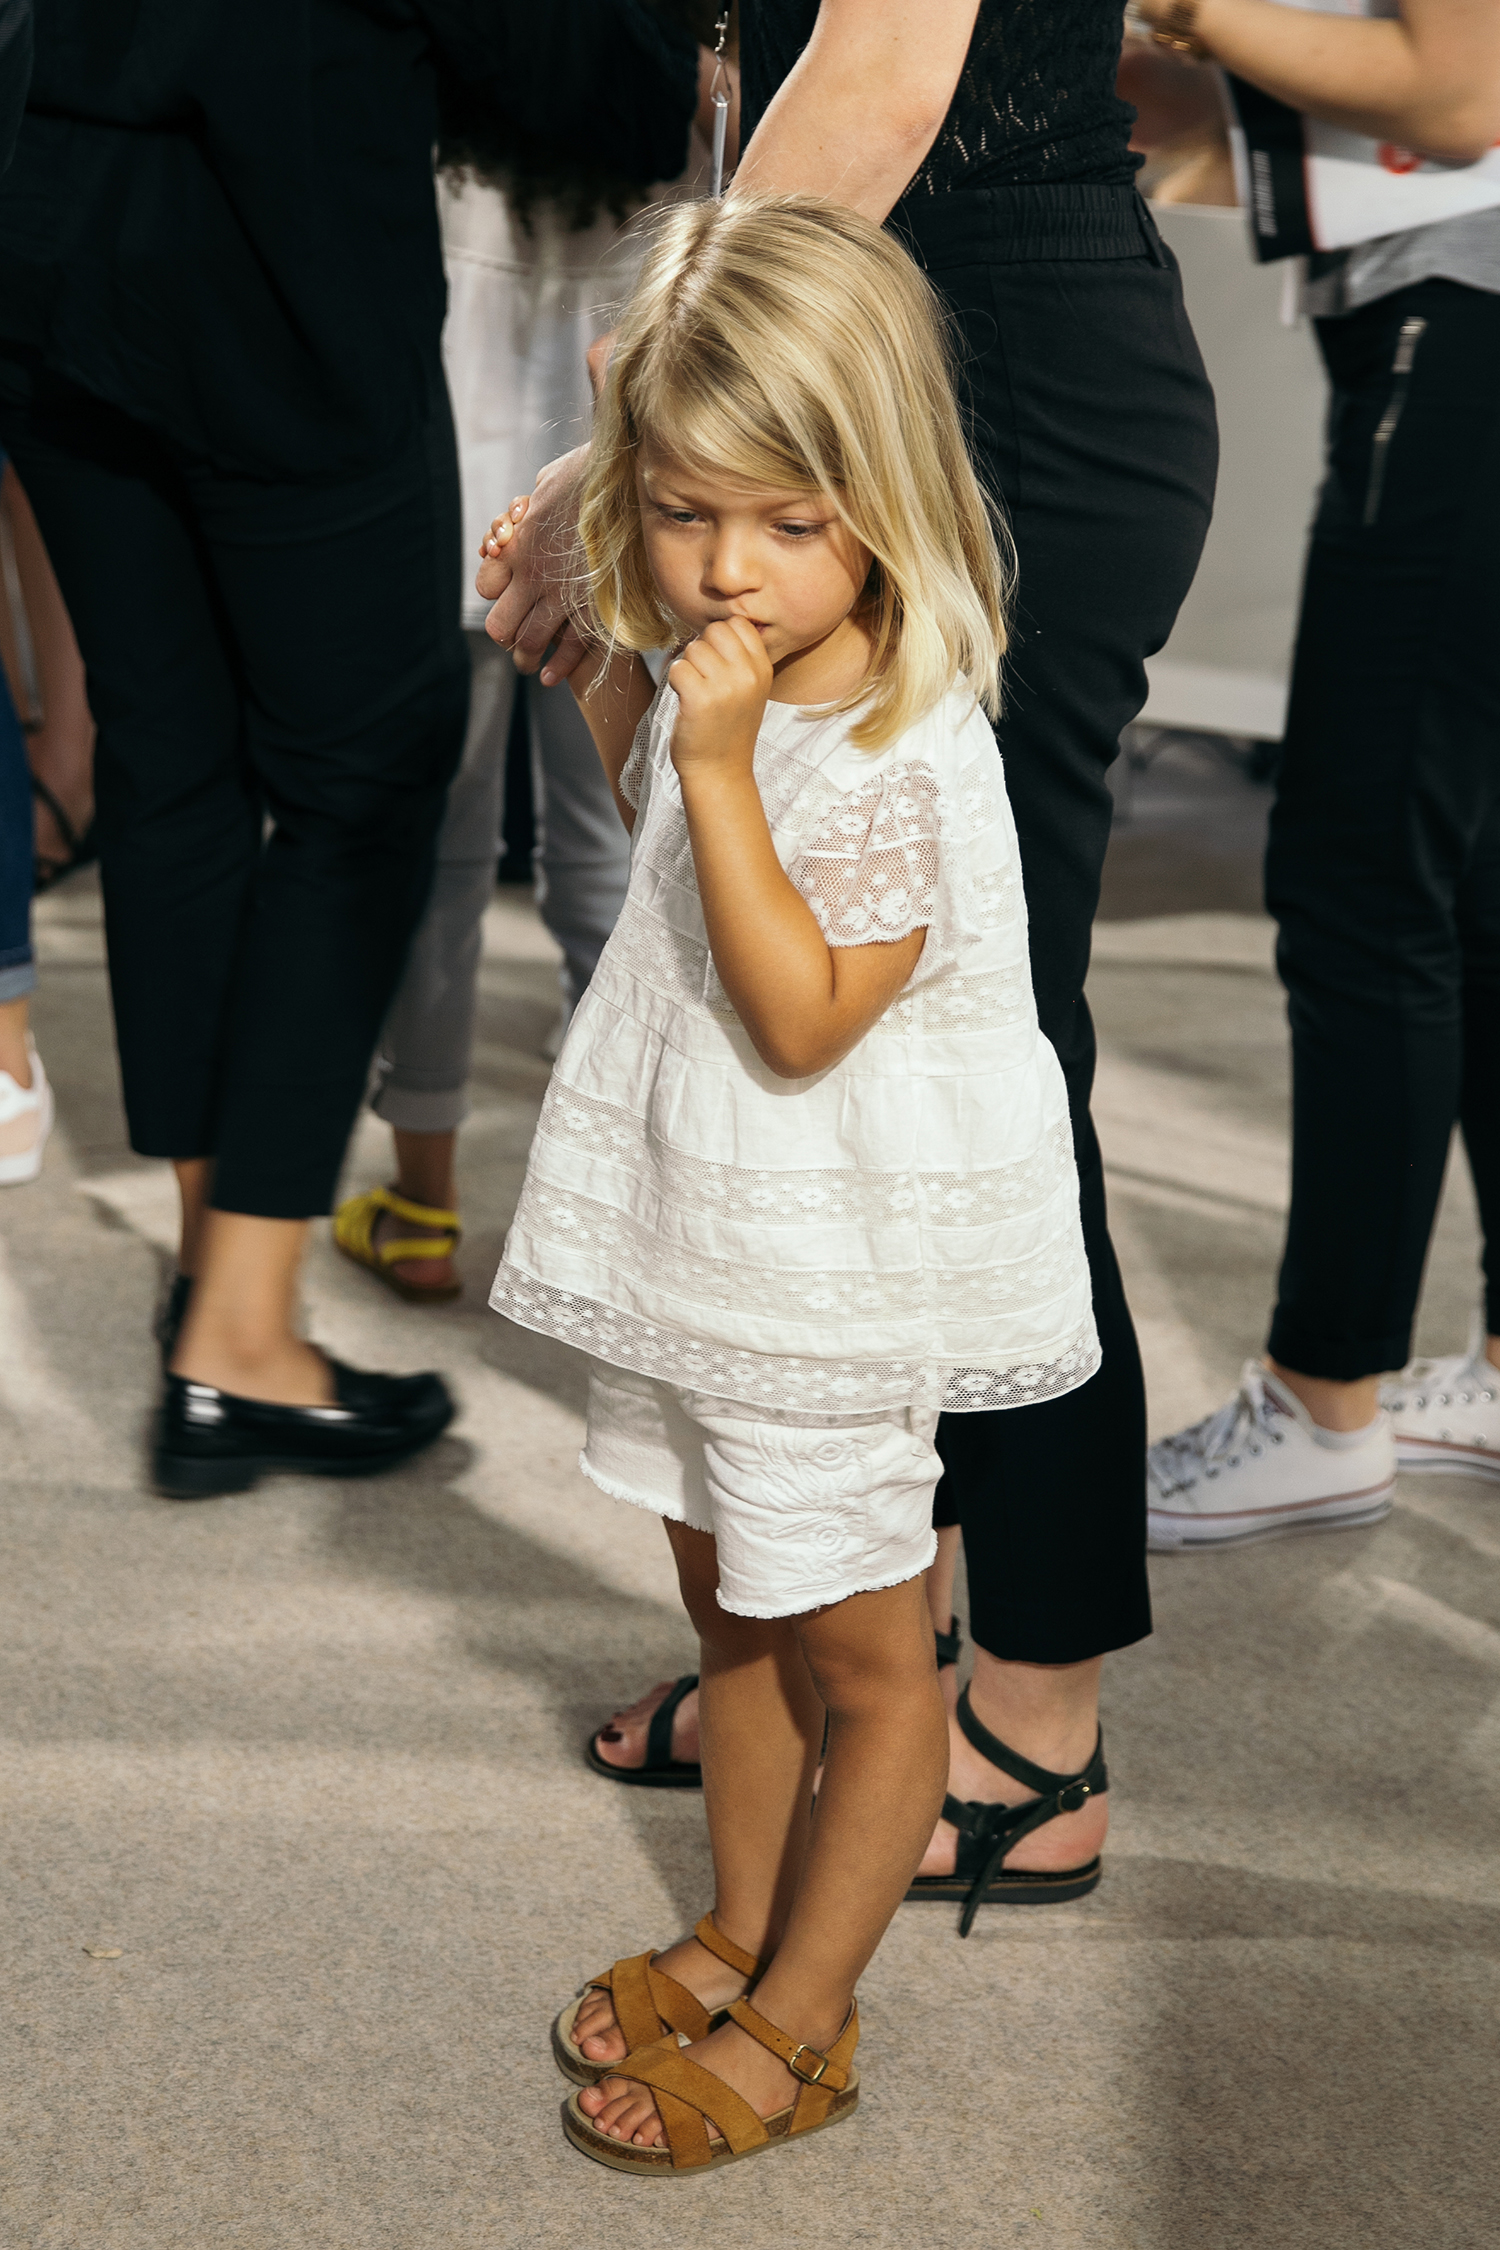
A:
x,y
870,1649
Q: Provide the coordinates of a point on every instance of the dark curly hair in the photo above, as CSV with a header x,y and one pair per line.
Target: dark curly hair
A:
x,y
479,140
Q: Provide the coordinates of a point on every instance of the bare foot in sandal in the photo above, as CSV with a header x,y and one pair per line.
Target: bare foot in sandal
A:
x,y
1068,1840
623,1742
439,1274
595,2031
628,2112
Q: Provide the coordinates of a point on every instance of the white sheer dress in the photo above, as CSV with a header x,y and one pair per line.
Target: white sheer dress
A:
x,y
900,1230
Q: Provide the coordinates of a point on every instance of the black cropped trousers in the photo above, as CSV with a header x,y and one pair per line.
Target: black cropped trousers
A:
x,y
1383,867
1093,421
280,688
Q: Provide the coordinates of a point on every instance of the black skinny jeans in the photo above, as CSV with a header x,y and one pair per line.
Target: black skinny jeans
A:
x,y
280,688
1093,420
1383,868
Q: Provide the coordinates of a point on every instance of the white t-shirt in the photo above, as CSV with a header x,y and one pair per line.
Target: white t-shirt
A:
x,y
899,1230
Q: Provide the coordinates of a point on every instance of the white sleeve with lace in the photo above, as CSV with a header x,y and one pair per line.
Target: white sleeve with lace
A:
x,y
870,871
632,773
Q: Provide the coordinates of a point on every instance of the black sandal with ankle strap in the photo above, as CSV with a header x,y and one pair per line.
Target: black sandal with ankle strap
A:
x,y
661,1770
987,1832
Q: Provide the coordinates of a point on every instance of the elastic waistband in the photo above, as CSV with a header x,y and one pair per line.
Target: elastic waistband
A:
x,y
1025,225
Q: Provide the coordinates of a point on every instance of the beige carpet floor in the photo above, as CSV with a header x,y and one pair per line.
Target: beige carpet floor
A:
x,y
299,1853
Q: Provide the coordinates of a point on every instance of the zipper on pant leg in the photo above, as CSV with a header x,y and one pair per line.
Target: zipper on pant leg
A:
x,y
1380,446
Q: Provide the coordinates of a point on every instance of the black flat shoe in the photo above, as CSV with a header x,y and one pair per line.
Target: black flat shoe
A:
x,y
209,1443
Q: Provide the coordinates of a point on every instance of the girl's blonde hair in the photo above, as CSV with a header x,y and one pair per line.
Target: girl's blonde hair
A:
x,y
787,343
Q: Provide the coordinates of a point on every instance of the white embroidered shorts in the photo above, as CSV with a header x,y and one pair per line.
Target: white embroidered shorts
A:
x,y
803,1515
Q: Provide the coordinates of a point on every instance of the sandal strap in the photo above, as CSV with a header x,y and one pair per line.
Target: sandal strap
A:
x,y
949,1644
659,1733
988,1833
686,2095
354,1228
813,2067
647,2001
1093,1778
713,1940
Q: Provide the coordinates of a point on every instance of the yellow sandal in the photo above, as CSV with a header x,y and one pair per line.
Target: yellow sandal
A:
x,y
649,2004
354,1232
706,2122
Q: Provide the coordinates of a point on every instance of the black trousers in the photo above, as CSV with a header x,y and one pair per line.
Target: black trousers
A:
x,y
280,688
1383,868
1093,420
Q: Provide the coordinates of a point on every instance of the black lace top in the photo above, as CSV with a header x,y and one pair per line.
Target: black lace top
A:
x,y
1036,102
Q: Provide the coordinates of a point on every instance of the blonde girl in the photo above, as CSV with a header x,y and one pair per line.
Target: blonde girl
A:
x,y
804,1176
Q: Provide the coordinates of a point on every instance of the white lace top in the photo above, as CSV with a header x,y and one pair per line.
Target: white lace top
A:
x,y
901,1229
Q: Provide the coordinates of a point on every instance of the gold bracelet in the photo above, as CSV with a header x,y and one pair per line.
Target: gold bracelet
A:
x,y
1178,31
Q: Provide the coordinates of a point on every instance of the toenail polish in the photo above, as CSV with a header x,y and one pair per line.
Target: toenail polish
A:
x,y
610,1734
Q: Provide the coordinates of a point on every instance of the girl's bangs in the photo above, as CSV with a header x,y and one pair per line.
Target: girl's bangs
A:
x,y
704,428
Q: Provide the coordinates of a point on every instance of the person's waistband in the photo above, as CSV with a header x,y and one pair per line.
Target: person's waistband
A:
x,y
1024,225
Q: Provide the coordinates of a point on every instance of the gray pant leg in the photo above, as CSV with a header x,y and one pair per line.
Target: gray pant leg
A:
x,y
426,1046
583,856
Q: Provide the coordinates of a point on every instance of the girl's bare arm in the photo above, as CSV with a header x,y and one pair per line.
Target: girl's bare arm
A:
x,y
803,1002
1429,79
614,698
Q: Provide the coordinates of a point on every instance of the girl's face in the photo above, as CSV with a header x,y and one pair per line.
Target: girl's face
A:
x,y
783,560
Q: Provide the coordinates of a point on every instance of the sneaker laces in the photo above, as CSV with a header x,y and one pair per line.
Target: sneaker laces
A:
x,y
1446,1379
1224,1436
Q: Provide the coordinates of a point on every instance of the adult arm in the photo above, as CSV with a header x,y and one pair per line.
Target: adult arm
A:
x,y
863,104
1428,79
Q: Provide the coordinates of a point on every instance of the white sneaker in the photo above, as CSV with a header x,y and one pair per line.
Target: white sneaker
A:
x,y
1261,1467
26,1114
1446,1412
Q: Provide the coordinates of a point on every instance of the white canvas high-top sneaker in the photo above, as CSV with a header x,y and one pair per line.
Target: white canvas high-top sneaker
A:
x,y
1261,1467
1445,1413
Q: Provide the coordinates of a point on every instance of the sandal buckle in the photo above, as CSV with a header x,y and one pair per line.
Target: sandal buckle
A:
x,y
1072,1798
798,2070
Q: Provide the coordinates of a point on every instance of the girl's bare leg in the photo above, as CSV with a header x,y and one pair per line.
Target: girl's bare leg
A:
x,y
623,1741
871,1661
763,1719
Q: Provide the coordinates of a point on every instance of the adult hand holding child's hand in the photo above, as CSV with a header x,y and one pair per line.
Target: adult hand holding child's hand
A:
x,y
721,680
527,573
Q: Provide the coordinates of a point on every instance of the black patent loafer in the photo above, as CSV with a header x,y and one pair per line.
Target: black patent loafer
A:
x,y
209,1443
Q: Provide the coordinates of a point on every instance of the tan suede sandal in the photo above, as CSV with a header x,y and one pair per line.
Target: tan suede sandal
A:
x,y
354,1231
649,2004
693,2102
